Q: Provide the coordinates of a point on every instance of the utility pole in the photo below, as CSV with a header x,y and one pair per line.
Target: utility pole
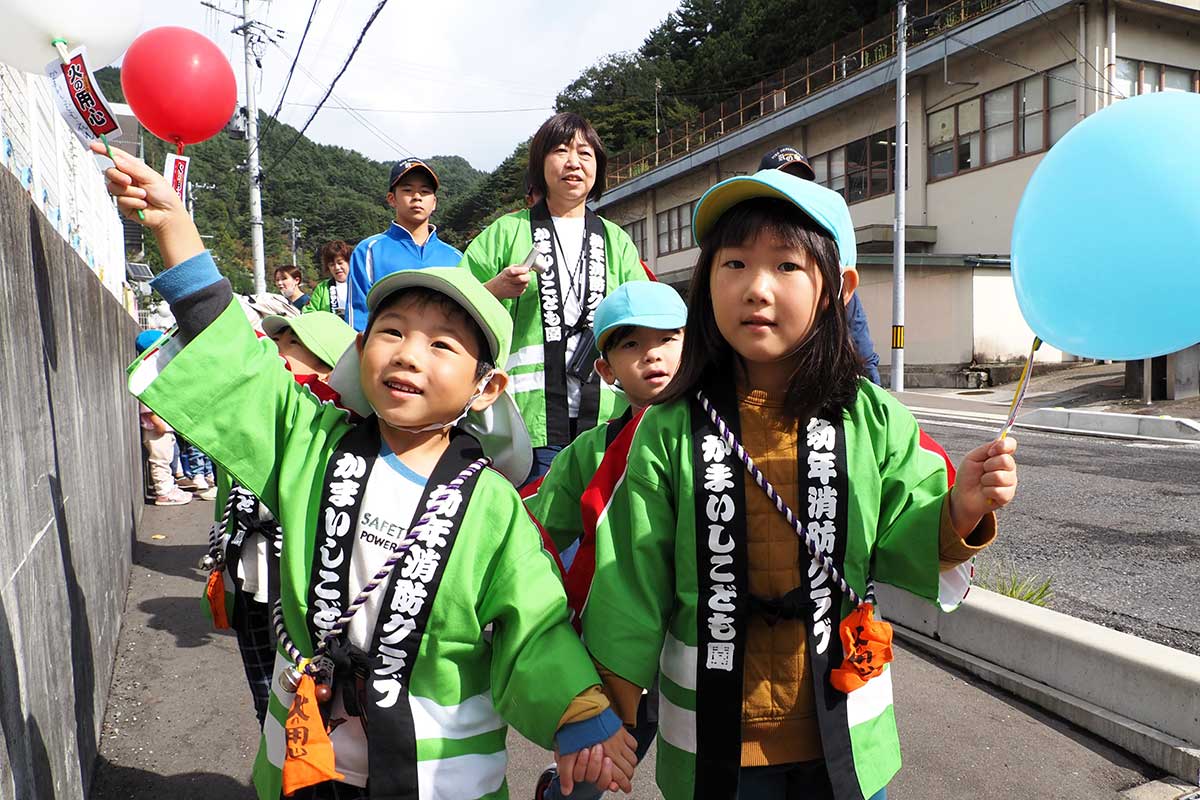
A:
x,y
295,235
252,33
256,220
901,178
192,188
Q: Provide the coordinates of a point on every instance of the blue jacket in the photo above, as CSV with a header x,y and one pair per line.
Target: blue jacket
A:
x,y
385,253
861,334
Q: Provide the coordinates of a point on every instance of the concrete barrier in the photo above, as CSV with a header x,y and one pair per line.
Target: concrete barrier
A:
x,y
70,502
1142,696
1107,423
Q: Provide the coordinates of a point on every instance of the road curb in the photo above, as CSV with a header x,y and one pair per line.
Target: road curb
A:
x,y
1139,695
1110,422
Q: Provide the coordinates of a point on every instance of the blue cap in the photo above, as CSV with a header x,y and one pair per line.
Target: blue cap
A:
x,y
826,207
645,303
147,339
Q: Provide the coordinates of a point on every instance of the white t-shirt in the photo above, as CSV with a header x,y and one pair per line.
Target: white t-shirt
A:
x,y
570,237
391,497
339,296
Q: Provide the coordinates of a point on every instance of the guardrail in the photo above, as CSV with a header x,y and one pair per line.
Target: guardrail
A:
x,y
848,56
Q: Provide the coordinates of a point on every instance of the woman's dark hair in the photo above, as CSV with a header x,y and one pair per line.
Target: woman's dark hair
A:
x,y
825,375
288,269
561,129
335,251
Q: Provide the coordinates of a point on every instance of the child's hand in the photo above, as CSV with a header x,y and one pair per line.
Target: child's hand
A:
x,y
610,764
138,187
987,480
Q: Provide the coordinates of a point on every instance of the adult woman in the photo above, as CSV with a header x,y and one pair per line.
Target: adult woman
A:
x,y
330,294
580,258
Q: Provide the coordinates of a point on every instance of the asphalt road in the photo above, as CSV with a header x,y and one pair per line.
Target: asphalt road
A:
x,y
180,725
1114,525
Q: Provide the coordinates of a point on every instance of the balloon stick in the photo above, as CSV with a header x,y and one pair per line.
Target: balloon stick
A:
x,y
1022,387
141,214
60,45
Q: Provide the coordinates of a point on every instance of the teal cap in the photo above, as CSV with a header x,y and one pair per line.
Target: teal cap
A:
x,y
644,303
826,207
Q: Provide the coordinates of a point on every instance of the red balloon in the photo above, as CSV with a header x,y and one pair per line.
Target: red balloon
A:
x,y
179,84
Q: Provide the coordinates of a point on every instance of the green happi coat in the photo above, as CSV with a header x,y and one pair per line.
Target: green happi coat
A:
x,y
508,241
649,606
227,392
318,299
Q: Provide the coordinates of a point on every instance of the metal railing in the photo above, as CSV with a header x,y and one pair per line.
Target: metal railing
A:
x,y
63,179
848,56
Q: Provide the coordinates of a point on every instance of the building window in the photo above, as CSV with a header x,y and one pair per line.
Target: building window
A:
x,y
1145,77
999,134
1016,120
637,232
861,170
1061,93
1030,105
1179,80
675,229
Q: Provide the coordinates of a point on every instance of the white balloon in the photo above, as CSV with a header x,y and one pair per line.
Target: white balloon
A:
x,y
27,27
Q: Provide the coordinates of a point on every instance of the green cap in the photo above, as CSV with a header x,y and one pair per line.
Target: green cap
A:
x,y
465,289
500,429
325,334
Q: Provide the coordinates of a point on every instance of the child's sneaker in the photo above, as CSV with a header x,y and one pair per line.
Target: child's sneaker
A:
x,y
190,484
550,773
207,494
175,497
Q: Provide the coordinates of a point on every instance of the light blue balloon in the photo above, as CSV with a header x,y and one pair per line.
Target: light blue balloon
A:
x,y
1106,242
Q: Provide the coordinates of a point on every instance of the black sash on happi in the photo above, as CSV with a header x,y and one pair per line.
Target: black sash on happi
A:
x,y
824,498
409,593
719,477
555,330
723,603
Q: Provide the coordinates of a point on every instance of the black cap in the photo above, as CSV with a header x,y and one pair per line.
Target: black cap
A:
x,y
790,160
406,166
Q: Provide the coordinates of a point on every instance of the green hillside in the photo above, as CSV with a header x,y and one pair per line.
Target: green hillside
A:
x,y
338,193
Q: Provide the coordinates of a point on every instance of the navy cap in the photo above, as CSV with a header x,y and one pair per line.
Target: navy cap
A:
x,y
406,166
790,160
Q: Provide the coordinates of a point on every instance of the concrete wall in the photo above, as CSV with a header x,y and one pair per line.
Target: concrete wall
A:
x,y
71,478
1001,333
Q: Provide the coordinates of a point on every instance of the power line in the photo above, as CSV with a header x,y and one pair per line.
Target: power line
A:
x,y
366,124
1034,70
431,111
291,70
1078,52
362,35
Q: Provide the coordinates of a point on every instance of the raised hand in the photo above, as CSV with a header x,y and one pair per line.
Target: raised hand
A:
x,y
986,481
139,187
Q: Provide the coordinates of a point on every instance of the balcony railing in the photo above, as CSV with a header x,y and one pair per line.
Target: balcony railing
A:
x,y
848,56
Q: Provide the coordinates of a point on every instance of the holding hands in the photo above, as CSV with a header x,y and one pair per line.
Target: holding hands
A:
x,y
987,480
609,764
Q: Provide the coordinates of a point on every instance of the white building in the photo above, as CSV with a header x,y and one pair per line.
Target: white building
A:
x,y
992,85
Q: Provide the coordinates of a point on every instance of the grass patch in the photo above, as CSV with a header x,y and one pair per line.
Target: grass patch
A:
x,y
1007,580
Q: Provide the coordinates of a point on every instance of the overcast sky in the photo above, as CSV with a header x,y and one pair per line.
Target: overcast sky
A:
x,y
425,57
